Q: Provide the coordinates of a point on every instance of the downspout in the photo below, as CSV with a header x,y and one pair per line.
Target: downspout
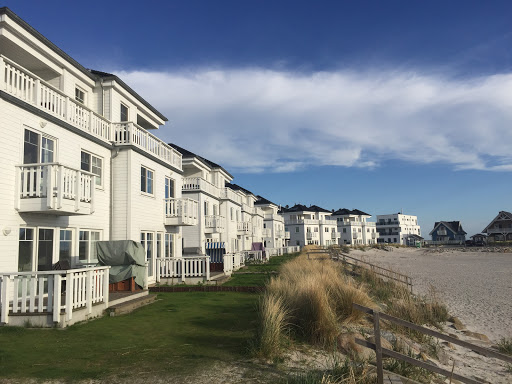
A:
x,y
114,153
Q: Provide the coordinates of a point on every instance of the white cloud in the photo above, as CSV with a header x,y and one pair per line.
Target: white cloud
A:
x,y
256,120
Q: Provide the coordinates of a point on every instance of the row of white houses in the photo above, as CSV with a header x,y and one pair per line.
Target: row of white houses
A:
x,y
81,163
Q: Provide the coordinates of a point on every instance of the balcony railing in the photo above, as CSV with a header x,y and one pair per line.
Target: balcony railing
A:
x,y
201,185
214,223
499,230
311,235
248,209
54,188
287,234
24,85
183,267
229,194
180,211
243,226
129,133
335,235
274,217
266,232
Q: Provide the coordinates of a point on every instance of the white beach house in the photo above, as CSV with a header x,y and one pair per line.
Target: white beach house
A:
x,y
310,225
79,164
275,238
398,228
354,228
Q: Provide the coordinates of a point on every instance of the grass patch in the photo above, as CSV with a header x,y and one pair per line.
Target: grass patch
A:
x,y
505,346
273,264
248,280
176,335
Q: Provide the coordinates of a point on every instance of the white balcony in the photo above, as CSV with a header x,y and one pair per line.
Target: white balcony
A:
x,y
498,230
198,184
54,188
243,226
287,235
441,232
30,88
335,235
213,223
229,194
248,209
311,235
180,212
266,232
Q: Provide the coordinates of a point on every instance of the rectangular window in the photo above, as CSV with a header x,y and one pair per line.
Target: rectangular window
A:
x,y
206,208
79,95
296,229
65,246
37,148
169,188
93,164
168,248
146,180
231,213
25,249
124,112
87,246
45,249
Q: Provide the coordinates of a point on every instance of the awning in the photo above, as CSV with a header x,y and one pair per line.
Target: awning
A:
x,y
215,245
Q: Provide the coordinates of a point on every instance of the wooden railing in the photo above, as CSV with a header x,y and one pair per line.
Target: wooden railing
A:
x,y
42,292
186,210
129,133
380,351
183,267
336,254
214,221
24,85
200,184
55,182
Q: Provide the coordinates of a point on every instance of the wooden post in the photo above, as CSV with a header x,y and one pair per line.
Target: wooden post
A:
x,y
88,290
69,295
4,299
378,347
57,284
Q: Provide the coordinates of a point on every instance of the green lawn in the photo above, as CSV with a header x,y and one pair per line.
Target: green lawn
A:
x,y
175,335
257,275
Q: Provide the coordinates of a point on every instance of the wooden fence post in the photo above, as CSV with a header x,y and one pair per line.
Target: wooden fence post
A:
x,y
378,347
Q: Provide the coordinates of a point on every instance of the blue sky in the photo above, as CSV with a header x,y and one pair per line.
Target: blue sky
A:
x,y
375,105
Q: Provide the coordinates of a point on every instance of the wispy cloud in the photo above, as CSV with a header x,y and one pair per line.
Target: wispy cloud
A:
x,y
256,120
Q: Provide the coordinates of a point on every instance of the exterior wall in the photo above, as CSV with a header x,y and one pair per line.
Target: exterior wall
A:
x,y
306,228
13,122
355,230
396,228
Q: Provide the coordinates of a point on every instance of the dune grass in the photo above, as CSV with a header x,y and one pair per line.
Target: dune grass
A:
x,y
178,334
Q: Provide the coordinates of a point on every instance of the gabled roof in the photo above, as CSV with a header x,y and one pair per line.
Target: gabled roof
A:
x,y
236,187
503,215
110,76
478,235
303,208
453,226
345,211
189,155
263,201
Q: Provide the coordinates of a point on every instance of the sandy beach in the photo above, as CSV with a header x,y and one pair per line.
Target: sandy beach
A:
x,y
476,286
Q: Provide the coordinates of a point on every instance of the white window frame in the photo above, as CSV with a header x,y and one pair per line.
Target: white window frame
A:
x,y
88,259
147,170
84,94
121,105
40,148
91,156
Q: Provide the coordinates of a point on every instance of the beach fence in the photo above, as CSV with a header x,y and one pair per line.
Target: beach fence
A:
x,y
347,260
380,351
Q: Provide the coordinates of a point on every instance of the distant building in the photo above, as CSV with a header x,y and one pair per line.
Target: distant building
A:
x,y
353,227
500,228
397,228
310,225
479,239
445,231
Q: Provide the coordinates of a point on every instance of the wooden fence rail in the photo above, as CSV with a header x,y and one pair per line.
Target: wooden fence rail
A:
x,y
396,276
379,351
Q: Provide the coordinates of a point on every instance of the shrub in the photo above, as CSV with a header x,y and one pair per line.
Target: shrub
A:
x,y
271,326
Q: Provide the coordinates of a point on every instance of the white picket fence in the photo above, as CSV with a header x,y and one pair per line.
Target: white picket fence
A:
x,y
183,267
44,292
270,252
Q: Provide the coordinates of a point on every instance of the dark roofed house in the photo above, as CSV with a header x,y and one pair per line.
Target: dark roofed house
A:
x,y
500,228
448,231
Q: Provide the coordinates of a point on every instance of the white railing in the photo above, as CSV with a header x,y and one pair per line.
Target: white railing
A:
x,y
55,182
21,83
183,209
248,209
228,262
229,194
200,184
498,230
267,232
214,221
274,217
129,133
286,234
243,226
183,267
335,235
311,235
43,292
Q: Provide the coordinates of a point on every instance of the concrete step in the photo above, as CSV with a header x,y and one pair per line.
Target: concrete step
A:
x,y
130,306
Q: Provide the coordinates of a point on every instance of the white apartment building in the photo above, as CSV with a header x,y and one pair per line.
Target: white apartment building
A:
x,y
274,234
79,162
228,221
354,228
398,228
310,225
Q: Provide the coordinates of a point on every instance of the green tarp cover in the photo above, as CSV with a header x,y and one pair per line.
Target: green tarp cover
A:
x,y
127,258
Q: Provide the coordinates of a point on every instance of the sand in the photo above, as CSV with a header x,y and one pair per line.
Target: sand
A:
x,y
476,286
